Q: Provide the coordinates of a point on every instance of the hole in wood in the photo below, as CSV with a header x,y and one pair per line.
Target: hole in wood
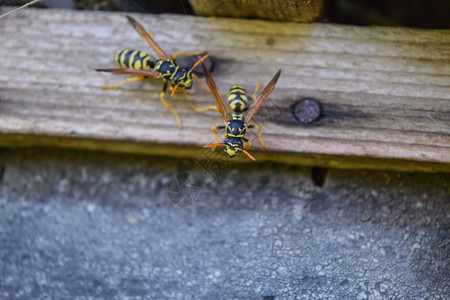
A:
x,y
307,110
318,176
2,172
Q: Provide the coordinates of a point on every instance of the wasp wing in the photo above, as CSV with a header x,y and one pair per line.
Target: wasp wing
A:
x,y
262,97
148,37
146,73
213,89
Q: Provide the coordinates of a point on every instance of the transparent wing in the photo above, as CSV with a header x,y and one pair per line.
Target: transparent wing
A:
x,y
219,100
148,37
147,73
262,97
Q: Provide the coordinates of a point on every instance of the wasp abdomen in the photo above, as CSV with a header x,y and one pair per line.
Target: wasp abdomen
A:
x,y
133,59
237,98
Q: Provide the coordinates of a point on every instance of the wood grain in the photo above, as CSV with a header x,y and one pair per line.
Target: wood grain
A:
x,y
385,92
275,10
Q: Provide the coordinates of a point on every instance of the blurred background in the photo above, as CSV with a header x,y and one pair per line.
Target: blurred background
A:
x,y
411,13
79,224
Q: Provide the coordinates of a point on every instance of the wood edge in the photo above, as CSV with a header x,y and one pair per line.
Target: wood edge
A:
x,y
10,140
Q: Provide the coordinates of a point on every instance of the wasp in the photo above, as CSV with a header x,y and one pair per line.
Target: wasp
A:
x,y
141,65
236,124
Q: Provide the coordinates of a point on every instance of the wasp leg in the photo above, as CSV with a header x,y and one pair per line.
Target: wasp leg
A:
x,y
113,86
249,144
256,90
259,134
167,105
200,84
174,57
214,129
211,107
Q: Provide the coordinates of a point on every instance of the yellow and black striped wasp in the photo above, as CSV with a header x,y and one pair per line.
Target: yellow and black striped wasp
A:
x,y
141,65
236,124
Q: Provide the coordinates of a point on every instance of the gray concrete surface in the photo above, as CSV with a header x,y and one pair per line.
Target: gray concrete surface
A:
x,y
83,225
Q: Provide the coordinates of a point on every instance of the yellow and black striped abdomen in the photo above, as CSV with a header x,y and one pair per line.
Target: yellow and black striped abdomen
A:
x,y
133,59
237,98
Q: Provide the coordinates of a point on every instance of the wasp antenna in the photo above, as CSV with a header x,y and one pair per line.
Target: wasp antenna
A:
x,y
197,63
248,154
174,89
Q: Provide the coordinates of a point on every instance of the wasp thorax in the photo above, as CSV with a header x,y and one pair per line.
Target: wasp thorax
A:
x,y
236,127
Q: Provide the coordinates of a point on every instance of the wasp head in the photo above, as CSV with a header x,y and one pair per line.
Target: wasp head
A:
x,y
183,79
233,146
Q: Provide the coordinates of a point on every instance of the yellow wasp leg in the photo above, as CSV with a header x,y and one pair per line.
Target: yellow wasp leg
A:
x,y
200,84
167,105
214,129
174,57
249,144
256,90
113,86
259,134
211,107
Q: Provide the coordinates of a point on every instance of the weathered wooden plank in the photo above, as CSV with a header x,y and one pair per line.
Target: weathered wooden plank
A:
x,y
385,92
276,10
